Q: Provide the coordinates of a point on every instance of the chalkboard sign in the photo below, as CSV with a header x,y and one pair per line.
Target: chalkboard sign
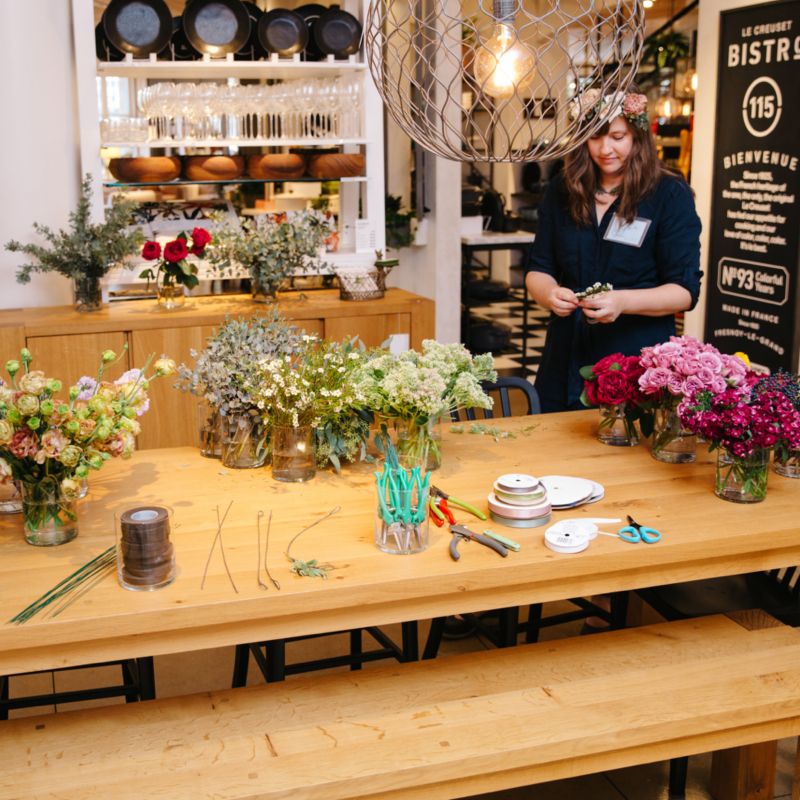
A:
x,y
754,254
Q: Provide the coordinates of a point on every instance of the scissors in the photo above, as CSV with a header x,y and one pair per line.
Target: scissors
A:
x,y
633,532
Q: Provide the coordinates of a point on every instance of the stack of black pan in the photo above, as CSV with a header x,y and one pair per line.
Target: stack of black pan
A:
x,y
219,27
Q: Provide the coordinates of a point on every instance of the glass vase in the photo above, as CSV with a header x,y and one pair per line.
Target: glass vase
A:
x,y
743,479
421,441
210,432
787,462
263,293
244,444
87,293
615,428
401,521
170,296
293,453
672,443
49,518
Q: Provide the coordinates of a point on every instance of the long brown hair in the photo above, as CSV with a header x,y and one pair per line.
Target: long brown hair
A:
x,y
641,172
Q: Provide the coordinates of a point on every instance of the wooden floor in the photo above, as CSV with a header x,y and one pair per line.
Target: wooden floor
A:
x,y
211,669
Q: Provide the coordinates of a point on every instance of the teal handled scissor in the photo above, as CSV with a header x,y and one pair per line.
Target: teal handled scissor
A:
x,y
633,532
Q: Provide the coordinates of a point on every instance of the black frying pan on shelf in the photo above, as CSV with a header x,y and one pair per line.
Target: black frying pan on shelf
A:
x,y
180,49
216,27
252,49
311,12
138,27
337,33
104,49
283,32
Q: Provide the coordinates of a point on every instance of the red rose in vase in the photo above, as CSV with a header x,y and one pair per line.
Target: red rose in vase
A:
x,y
151,251
175,251
173,267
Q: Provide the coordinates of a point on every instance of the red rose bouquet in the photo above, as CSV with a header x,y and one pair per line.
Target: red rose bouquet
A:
x,y
173,266
613,384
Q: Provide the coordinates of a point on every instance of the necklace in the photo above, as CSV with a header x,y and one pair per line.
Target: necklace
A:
x,y
610,192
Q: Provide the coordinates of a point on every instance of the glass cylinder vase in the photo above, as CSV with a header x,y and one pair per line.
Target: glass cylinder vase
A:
x,y
210,430
672,443
293,453
787,462
170,296
49,518
421,441
263,292
615,428
244,443
742,479
87,293
401,521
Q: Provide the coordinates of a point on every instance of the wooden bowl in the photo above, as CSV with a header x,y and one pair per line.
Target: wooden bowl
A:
x,y
154,169
336,165
213,168
276,166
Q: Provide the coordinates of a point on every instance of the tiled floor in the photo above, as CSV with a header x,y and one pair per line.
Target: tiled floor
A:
x,y
211,670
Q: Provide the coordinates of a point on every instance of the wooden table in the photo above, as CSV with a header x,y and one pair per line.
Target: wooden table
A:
x,y
703,536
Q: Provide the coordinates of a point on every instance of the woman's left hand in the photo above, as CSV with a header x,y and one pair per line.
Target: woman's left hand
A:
x,y
604,307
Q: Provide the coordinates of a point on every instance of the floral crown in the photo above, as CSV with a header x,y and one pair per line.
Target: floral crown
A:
x,y
630,105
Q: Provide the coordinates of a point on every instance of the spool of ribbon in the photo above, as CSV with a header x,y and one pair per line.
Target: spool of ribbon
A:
x,y
146,553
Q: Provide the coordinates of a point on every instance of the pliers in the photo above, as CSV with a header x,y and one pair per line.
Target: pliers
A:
x,y
462,532
454,501
440,511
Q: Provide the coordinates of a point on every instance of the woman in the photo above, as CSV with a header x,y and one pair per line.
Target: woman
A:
x,y
615,216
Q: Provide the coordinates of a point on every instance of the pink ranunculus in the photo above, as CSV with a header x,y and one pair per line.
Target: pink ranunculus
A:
x,y
675,385
635,104
24,444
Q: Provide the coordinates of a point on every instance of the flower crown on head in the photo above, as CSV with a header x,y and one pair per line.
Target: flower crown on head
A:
x,y
630,105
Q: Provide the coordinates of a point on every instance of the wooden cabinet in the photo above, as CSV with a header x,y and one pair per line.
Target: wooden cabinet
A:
x,y
61,352
70,357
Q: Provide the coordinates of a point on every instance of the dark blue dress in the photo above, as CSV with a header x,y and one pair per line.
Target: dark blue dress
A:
x,y
579,256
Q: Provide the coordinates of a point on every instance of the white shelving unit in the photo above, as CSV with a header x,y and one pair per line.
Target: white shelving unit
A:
x,y
361,200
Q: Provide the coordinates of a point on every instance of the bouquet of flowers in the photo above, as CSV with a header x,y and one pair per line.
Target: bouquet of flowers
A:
x,y
420,388
227,371
173,267
746,423
49,444
787,454
613,384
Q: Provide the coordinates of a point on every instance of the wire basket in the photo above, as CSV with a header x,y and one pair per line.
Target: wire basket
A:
x,y
362,283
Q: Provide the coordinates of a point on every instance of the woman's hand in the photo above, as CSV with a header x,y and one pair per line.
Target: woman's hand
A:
x,y
604,307
562,301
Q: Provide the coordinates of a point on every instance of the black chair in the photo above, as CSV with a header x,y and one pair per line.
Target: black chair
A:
x,y
138,683
777,592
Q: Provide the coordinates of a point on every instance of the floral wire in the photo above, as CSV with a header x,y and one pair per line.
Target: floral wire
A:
x,y
261,583
98,576
66,585
222,546
266,547
213,544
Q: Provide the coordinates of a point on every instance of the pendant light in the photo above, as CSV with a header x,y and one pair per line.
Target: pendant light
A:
x,y
520,64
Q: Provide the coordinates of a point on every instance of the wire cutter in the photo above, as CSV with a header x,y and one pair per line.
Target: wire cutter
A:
x,y
463,533
440,511
633,532
454,501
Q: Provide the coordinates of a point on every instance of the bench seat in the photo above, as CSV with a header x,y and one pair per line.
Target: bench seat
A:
x,y
447,728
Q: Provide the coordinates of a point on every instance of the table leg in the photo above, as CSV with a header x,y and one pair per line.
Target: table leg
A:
x,y
796,782
744,773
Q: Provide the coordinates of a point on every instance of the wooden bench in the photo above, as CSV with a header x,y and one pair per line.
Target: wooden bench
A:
x,y
439,729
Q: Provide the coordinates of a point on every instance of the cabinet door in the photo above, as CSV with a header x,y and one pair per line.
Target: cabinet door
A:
x,y
373,330
172,418
70,357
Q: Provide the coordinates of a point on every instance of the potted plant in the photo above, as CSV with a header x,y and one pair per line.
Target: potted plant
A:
x,y
84,251
271,248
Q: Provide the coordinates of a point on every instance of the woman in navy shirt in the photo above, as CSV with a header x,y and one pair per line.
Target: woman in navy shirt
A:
x,y
614,216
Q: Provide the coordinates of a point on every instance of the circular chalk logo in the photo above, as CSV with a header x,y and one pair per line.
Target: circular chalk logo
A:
x,y
762,106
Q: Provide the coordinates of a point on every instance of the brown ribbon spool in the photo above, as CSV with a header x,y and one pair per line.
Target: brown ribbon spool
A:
x,y
147,553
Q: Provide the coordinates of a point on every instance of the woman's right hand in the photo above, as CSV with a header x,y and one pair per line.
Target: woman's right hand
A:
x,y
562,301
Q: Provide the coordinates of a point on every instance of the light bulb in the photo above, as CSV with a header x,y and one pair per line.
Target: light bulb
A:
x,y
503,65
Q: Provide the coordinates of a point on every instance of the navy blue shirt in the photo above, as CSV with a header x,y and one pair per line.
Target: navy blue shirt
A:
x,y
578,256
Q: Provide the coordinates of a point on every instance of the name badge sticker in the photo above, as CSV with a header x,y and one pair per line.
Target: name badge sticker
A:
x,y
630,233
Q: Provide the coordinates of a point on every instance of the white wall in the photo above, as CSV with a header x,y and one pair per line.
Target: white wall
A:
x,y
704,126
38,138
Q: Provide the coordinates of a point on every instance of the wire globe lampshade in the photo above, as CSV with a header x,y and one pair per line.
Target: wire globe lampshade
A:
x,y
493,80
